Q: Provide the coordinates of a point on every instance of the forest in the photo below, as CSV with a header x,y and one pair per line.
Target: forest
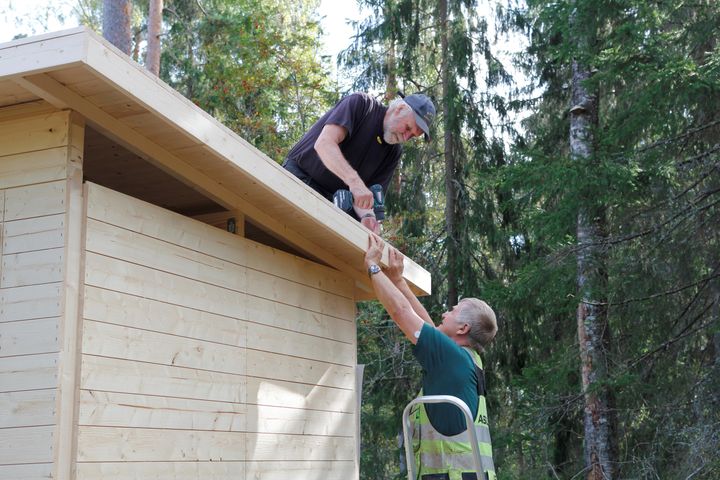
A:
x,y
573,183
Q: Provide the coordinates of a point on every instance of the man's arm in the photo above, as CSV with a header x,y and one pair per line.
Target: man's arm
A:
x,y
396,304
394,273
328,149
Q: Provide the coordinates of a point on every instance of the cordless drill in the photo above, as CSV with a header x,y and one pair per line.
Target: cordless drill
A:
x,y
343,199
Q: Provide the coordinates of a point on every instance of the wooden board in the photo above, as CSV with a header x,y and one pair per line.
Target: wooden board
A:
x,y
31,302
27,408
40,233
161,470
32,268
33,372
35,200
34,133
33,471
33,167
29,337
26,445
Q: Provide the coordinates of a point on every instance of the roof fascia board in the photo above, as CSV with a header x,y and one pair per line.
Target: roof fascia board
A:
x,y
43,53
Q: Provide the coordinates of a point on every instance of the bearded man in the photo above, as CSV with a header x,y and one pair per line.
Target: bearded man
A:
x,y
357,144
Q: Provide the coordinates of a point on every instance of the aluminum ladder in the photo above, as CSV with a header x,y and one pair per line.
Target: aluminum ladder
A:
x,y
407,427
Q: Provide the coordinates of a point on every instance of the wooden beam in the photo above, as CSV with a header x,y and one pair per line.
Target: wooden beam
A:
x,y
49,89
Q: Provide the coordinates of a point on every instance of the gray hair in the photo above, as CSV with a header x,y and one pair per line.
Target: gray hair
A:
x,y
481,319
398,103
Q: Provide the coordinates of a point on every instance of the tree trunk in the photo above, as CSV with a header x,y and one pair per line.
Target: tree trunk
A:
x,y
450,167
116,23
592,314
152,56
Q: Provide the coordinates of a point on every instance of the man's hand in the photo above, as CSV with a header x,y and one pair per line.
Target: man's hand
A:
x,y
396,266
371,224
362,196
373,255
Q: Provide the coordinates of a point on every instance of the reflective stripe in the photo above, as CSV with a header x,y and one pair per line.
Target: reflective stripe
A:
x,y
482,432
460,461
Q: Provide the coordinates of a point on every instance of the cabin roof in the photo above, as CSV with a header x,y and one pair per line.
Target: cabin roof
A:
x,y
77,69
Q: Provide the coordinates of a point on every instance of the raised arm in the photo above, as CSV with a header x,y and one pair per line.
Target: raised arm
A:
x,y
396,304
395,273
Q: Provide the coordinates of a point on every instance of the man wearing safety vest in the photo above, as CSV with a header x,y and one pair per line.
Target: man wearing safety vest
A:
x,y
449,356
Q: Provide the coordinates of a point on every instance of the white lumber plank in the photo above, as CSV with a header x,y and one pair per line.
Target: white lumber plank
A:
x,y
161,470
30,302
27,408
268,419
32,268
127,376
35,200
138,312
288,317
108,409
35,133
145,346
293,369
276,447
132,214
33,167
279,393
122,244
108,444
27,109
40,233
320,337
70,326
312,347
43,52
139,280
26,445
29,372
263,285
29,337
282,470
32,471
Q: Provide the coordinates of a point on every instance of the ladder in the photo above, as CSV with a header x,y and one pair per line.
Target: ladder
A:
x,y
407,427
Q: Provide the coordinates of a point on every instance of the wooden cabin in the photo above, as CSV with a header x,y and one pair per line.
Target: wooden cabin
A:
x,y
173,304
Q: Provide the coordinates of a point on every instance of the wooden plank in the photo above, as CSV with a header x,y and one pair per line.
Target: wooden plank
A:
x,y
137,312
31,372
277,447
26,445
39,233
139,249
21,110
291,318
126,376
161,470
70,324
108,340
320,336
32,268
282,470
278,393
272,339
108,444
35,200
109,409
32,471
29,337
12,94
138,216
34,133
114,242
275,470
294,369
29,408
268,419
143,281
33,167
31,302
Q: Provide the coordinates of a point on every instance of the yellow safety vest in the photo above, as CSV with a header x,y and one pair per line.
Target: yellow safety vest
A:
x,y
437,453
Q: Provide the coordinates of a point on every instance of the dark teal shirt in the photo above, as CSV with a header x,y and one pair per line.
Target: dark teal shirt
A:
x,y
447,370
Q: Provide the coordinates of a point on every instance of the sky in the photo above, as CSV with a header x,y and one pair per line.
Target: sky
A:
x,y
334,14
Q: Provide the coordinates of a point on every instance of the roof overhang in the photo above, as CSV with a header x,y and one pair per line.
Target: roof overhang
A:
x,y
78,70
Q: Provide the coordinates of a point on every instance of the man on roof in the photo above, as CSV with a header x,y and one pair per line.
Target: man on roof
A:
x,y
357,144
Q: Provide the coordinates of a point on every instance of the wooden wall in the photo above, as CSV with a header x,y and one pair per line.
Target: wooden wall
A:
x,y
208,356
40,185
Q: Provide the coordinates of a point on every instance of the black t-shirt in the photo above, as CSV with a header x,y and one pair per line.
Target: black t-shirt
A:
x,y
363,147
